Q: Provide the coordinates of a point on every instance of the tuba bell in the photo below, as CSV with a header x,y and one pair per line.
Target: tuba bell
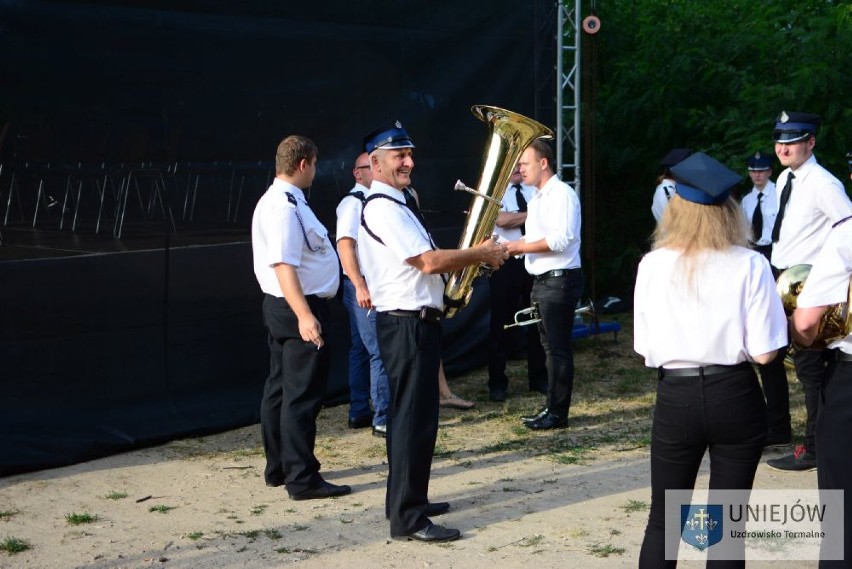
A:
x,y
511,133
834,325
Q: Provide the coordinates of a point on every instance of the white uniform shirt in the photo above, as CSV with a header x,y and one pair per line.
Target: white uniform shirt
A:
x,y
828,281
277,236
510,204
817,201
729,313
349,216
768,207
394,284
553,214
664,192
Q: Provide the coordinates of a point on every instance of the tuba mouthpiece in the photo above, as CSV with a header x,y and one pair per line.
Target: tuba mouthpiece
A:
x,y
461,187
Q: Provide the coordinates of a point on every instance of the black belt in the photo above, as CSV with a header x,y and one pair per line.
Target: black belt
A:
x,y
553,274
842,356
701,370
427,314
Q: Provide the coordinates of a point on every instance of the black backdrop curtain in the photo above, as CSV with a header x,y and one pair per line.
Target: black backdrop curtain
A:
x,y
108,348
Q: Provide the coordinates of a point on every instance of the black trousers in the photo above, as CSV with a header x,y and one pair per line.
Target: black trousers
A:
x,y
411,352
724,413
811,370
557,299
776,391
834,461
510,292
292,396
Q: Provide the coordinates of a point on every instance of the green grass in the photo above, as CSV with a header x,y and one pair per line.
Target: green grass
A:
x,y
531,541
13,545
161,508
116,495
635,506
442,452
7,515
77,519
253,534
605,550
570,454
195,535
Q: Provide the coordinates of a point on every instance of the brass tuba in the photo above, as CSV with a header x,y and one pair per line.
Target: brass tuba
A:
x,y
835,324
511,133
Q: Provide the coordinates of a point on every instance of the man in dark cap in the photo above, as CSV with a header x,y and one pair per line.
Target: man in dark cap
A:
x,y
760,205
403,268
665,183
811,201
760,208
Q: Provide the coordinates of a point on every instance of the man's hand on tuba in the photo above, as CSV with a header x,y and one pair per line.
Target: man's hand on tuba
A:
x,y
494,254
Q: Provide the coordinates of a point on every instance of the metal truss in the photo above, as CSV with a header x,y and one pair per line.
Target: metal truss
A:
x,y
568,92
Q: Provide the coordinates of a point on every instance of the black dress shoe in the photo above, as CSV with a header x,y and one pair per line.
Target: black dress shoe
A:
x,y
380,431
437,508
547,421
497,394
431,533
323,490
361,422
541,413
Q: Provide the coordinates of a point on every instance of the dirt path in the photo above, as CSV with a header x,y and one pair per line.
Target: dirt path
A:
x,y
513,509
570,498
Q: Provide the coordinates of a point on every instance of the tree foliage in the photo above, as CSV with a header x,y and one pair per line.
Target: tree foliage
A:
x,y
710,76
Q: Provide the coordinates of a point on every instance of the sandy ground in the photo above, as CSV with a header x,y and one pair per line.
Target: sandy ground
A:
x,y
576,497
513,509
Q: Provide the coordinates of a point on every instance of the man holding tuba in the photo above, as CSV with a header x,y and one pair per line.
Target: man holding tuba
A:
x,y
403,268
811,201
552,248
828,283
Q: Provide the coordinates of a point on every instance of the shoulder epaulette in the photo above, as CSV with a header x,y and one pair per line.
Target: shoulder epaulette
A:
x,y
291,198
845,219
356,194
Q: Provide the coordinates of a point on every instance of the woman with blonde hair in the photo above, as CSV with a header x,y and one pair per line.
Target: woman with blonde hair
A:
x,y
705,309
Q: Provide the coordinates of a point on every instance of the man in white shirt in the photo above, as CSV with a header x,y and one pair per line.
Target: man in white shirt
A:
x,y
827,285
404,270
367,377
760,205
552,249
296,268
510,291
810,202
